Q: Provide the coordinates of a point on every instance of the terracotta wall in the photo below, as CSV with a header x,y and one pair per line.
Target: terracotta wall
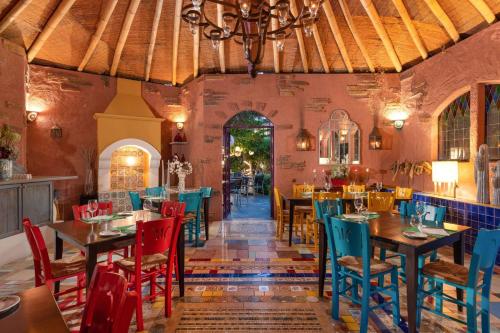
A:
x,y
463,67
290,102
12,94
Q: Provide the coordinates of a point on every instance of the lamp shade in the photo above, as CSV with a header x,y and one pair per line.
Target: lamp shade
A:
x,y
445,171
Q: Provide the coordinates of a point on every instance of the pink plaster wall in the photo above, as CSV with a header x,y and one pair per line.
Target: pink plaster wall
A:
x,y
212,100
458,69
12,94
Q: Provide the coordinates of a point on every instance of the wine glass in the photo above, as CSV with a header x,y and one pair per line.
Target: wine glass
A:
x,y
358,202
147,206
92,207
420,210
379,186
328,185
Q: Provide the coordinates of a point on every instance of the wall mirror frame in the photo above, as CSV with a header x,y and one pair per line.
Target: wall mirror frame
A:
x,y
339,140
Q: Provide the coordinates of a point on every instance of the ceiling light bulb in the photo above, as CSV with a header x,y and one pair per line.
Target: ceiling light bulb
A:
x,y
307,23
245,6
227,24
215,36
314,7
282,8
194,21
197,4
280,41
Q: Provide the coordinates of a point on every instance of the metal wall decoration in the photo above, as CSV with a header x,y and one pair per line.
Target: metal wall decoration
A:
x,y
249,23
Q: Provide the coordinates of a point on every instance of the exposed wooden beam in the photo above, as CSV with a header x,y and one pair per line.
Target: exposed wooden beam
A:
x,y
276,53
408,22
196,52
300,38
444,19
96,37
222,57
127,23
483,8
382,33
13,14
152,38
175,39
356,35
319,45
334,27
61,10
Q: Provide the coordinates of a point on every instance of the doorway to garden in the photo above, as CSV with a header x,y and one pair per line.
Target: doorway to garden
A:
x,y
248,172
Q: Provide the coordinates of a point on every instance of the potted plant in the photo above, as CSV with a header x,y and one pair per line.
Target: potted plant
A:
x,y
8,150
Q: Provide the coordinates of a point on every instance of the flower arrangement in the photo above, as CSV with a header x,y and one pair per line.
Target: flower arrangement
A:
x,y
179,167
8,143
340,171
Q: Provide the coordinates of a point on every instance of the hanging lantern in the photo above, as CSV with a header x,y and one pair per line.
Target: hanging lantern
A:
x,y
304,140
375,139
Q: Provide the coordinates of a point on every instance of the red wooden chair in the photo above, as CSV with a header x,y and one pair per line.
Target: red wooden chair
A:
x,y
155,249
174,209
109,307
104,208
50,271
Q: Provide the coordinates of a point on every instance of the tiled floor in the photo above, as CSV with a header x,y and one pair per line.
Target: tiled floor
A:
x,y
243,280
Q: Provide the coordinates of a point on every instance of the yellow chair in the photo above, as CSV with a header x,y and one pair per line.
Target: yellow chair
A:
x,y
311,225
403,193
354,188
282,215
380,201
300,213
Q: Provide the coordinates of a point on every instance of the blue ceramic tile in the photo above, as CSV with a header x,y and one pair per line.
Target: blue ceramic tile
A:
x,y
473,208
490,211
481,209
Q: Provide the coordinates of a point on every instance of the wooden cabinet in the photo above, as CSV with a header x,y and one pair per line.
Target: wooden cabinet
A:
x,y
31,199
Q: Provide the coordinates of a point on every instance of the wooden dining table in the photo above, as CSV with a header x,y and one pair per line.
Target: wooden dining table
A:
x,y
386,232
37,313
299,200
85,237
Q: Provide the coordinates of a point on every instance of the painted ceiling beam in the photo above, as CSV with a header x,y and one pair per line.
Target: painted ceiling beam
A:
x,y
300,38
13,14
334,27
276,53
483,8
412,30
175,42
319,44
222,57
443,18
152,39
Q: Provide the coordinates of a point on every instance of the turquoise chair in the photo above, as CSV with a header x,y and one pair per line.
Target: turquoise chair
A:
x,y
476,278
350,251
206,193
192,214
136,200
408,209
154,191
329,207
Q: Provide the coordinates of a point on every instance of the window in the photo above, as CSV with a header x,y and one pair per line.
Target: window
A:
x,y
454,130
492,118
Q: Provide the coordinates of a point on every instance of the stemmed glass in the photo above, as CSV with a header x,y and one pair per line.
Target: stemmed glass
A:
x,y
328,185
92,207
147,206
379,186
420,210
358,202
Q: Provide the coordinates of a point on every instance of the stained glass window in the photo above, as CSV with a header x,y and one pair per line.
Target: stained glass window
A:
x,y
492,118
454,130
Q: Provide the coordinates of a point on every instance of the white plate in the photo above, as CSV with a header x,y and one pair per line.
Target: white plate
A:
x,y
8,302
109,233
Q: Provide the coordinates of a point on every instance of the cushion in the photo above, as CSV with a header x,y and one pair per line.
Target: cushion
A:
x,y
148,261
67,266
450,272
356,264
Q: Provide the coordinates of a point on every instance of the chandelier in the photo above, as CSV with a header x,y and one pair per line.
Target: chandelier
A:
x,y
247,22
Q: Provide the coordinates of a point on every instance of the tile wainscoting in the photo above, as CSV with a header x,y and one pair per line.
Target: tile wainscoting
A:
x,y
476,216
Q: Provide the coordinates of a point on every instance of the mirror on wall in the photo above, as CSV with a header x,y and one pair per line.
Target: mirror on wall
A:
x,y
339,140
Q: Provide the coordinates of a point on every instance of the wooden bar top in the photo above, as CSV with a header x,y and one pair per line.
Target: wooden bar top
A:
x,y
37,179
37,312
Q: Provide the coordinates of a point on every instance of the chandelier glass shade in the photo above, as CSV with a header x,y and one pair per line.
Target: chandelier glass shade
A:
x,y
248,23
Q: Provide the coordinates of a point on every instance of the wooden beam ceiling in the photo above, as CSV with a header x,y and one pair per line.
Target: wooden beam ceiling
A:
x,y
382,33
443,18
276,53
222,57
96,37
196,52
175,43
319,44
483,8
152,38
356,35
334,27
408,22
61,10
13,13
300,38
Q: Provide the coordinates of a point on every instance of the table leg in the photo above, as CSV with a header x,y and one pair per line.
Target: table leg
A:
x,y
180,261
206,209
322,259
411,289
91,258
458,257
58,255
290,226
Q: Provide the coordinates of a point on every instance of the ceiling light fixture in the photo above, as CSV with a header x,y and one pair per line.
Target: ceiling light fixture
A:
x,y
248,24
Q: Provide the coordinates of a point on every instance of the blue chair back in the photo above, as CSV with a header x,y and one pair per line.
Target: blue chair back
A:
x,y
192,200
407,208
136,200
329,207
206,192
351,238
484,255
154,191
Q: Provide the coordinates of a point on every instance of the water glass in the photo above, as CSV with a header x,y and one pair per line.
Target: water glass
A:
x,y
358,202
379,186
420,210
92,207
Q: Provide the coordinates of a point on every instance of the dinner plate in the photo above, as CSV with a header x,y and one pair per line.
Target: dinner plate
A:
x,y
8,303
415,235
109,233
125,214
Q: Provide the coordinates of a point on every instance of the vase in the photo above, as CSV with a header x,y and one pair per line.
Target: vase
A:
x,y
182,181
5,169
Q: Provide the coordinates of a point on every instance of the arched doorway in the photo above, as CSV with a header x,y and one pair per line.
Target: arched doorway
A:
x,y
247,122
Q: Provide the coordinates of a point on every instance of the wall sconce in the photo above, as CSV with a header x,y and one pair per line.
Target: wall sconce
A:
x,y
179,125
56,132
445,177
31,115
396,113
304,140
375,139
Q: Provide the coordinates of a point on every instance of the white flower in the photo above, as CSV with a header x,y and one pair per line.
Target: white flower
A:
x,y
178,167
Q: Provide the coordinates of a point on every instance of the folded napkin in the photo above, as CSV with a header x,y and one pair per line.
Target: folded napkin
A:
x,y
435,231
101,218
354,216
126,229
